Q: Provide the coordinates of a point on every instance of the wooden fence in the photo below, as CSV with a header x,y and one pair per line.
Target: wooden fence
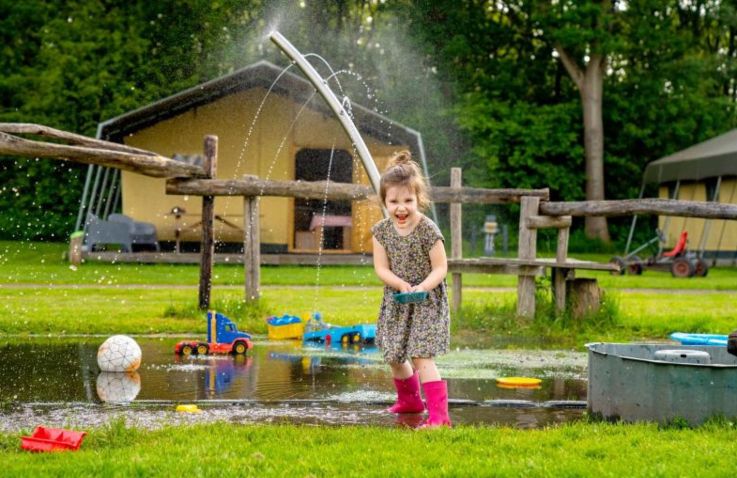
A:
x,y
536,210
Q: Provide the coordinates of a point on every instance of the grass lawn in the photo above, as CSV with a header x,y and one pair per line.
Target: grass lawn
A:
x,y
579,449
41,294
141,310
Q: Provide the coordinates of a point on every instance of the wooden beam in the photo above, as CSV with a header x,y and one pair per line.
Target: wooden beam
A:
x,y
493,268
456,238
626,207
207,245
148,165
72,138
497,263
252,186
441,194
542,222
147,257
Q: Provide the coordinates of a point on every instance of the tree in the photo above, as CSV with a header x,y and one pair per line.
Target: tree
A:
x,y
583,35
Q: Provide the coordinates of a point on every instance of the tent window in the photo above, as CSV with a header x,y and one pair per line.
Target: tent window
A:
x,y
711,189
672,190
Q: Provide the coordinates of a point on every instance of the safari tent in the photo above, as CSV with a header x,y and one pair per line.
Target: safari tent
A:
x,y
704,172
289,134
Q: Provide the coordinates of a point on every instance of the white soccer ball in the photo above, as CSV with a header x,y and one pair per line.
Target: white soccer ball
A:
x,y
119,353
114,387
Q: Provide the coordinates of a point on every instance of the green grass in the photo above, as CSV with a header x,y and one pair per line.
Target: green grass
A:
x,y
138,310
625,316
719,278
151,311
648,313
45,296
43,263
579,449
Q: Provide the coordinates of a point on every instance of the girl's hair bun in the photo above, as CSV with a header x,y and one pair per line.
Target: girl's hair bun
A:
x,y
402,157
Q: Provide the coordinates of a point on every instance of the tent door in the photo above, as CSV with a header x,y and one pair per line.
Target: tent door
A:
x,y
311,214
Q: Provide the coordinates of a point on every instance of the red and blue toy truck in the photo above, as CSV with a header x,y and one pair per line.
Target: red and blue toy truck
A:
x,y
223,337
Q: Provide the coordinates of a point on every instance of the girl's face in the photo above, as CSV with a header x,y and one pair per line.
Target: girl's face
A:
x,y
401,203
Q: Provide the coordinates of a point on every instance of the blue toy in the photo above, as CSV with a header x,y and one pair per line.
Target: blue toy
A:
x,y
699,339
321,332
286,319
410,297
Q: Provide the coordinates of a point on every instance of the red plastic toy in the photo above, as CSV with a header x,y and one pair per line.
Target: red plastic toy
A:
x,y
52,439
680,246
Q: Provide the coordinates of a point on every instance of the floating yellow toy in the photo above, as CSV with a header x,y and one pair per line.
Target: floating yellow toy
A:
x,y
521,382
188,409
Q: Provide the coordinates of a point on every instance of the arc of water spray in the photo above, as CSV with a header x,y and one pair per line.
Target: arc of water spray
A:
x,y
336,105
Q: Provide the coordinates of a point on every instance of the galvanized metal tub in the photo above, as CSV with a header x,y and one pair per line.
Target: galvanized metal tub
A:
x,y
627,382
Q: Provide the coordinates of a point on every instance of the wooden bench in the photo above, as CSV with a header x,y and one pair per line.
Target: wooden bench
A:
x,y
493,265
560,272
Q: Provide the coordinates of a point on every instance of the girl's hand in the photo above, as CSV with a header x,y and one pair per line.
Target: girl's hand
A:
x,y
418,288
405,287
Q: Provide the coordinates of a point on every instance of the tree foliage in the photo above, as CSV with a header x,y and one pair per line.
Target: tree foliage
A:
x,y
669,83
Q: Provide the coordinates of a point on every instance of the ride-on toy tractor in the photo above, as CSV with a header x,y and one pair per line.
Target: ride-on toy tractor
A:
x,y
223,337
679,261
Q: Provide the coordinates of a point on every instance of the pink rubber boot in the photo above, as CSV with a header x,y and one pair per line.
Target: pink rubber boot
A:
x,y
436,394
408,396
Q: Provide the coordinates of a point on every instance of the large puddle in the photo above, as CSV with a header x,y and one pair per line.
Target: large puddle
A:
x,y
58,382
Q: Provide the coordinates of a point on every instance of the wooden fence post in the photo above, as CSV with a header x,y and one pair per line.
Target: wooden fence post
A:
x,y
456,238
560,275
207,246
252,247
527,250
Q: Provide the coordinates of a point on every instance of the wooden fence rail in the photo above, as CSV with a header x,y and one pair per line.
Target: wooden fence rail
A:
x,y
146,164
86,150
71,138
254,186
627,207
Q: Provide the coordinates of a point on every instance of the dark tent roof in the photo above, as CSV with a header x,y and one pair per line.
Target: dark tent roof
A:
x,y
260,74
712,158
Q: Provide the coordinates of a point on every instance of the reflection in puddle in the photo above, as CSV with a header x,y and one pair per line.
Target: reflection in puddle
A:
x,y
118,387
277,381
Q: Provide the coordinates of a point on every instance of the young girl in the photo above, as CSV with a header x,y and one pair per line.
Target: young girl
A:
x,y
409,256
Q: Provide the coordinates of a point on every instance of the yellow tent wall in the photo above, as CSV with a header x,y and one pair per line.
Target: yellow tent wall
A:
x,y
269,153
717,235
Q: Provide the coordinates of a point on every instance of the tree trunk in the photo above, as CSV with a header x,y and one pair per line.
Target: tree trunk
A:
x,y
593,128
591,87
